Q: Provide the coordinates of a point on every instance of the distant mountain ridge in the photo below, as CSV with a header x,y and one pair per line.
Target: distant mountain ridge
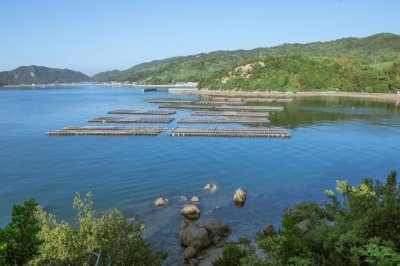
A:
x,y
41,75
378,48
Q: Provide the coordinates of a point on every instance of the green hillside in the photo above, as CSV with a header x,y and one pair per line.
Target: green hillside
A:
x,y
306,73
379,48
40,75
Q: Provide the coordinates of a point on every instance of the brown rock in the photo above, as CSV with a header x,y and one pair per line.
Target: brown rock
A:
x,y
239,198
270,230
190,212
195,199
160,202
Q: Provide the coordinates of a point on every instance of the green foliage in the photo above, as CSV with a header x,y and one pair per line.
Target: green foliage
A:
x,y
109,235
19,241
378,48
234,252
361,228
305,73
378,255
40,75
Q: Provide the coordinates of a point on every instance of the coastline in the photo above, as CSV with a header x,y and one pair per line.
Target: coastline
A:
x,y
361,95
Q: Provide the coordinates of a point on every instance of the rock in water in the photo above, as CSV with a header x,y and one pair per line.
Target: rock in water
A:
x,y
211,187
160,202
239,198
195,199
191,212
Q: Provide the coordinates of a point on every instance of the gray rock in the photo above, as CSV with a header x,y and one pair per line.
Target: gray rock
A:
x,y
211,187
304,225
190,252
215,228
193,236
201,238
194,262
216,239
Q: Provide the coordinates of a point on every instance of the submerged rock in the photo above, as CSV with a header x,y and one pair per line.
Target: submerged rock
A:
x,y
160,202
211,187
190,212
239,198
181,199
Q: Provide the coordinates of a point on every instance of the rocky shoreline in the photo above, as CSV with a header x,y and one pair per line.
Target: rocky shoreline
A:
x,y
362,95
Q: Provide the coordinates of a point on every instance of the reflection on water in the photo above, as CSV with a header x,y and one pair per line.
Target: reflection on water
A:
x,y
330,140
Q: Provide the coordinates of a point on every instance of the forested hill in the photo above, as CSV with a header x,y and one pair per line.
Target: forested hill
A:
x,y
306,73
40,75
379,48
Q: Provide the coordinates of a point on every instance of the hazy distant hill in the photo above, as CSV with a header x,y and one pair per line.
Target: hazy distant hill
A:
x,y
40,75
379,48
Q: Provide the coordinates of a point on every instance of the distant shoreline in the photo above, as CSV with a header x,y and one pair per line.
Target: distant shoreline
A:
x,y
229,93
362,95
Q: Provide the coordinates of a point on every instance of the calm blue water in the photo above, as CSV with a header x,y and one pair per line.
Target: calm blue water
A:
x,y
331,139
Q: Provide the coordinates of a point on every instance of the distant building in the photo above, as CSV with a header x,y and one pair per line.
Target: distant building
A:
x,y
397,91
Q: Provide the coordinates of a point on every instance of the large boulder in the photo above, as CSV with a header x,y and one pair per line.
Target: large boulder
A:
x,y
239,198
215,228
191,212
201,238
193,236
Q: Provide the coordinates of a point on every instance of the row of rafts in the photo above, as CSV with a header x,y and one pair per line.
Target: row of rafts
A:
x,y
236,114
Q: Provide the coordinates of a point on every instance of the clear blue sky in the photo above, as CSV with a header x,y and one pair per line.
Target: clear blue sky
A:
x,y
93,36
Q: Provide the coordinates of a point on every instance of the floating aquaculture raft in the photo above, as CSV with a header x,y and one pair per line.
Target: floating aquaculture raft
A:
x,y
108,131
222,113
264,132
142,112
171,101
163,120
222,120
226,107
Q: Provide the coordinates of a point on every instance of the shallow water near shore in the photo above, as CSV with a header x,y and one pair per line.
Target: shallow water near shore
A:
x,y
332,138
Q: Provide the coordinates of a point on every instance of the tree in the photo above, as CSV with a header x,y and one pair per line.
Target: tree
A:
x,y
19,241
107,236
360,228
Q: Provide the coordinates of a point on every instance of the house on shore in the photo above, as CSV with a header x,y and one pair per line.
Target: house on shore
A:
x,y
397,91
